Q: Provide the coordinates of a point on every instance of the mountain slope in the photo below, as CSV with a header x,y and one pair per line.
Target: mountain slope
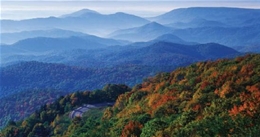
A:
x,y
10,38
250,48
143,33
229,16
45,44
101,67
173,39
34,101
171,54
158,54
36,75
209,95
196,23
218,98
166,53
229,36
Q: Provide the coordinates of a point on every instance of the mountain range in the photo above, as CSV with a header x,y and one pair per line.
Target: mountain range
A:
x,y
230,16
143,33
87,50
229,36
86,22
96,67
197,23
152,53
11,38
47,44
233,27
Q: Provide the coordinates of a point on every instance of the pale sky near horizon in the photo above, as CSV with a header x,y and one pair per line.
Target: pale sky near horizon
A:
x,y
21,9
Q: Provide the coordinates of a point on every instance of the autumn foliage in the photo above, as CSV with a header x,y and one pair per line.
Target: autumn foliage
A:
x,y
132,129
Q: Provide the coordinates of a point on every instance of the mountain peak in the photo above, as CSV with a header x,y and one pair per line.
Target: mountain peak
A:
x,y
121,14
153,24
86,11
146,32
167,37
81,12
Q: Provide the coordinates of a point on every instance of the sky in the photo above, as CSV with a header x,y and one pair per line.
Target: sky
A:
x,y
21,9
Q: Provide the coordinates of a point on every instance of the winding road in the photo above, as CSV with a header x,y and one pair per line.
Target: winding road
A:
x,y
79,111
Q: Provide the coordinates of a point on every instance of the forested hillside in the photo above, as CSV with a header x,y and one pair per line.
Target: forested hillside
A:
x,y
23,104
49,116
219,98
28,76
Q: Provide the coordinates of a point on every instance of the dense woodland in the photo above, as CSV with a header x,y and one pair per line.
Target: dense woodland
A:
x,y
28,85
23,104
219,98
47,114
37,75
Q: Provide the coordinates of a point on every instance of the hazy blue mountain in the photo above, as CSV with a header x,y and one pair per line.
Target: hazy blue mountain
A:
x,y
153,53
229,36
10,38
214,50
143,33
41,47
195,23
80,13
43,44
229,16
103,66
7,50
173,39
252,21
82,21
250,48
46,44
172,54
9,26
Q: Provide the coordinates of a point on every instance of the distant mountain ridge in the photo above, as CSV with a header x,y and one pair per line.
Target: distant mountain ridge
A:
x,y
153,53
227,26
173,39
46,44
229,36
144,33
10,38
84,21
196,23
229,16
159,56
198,29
